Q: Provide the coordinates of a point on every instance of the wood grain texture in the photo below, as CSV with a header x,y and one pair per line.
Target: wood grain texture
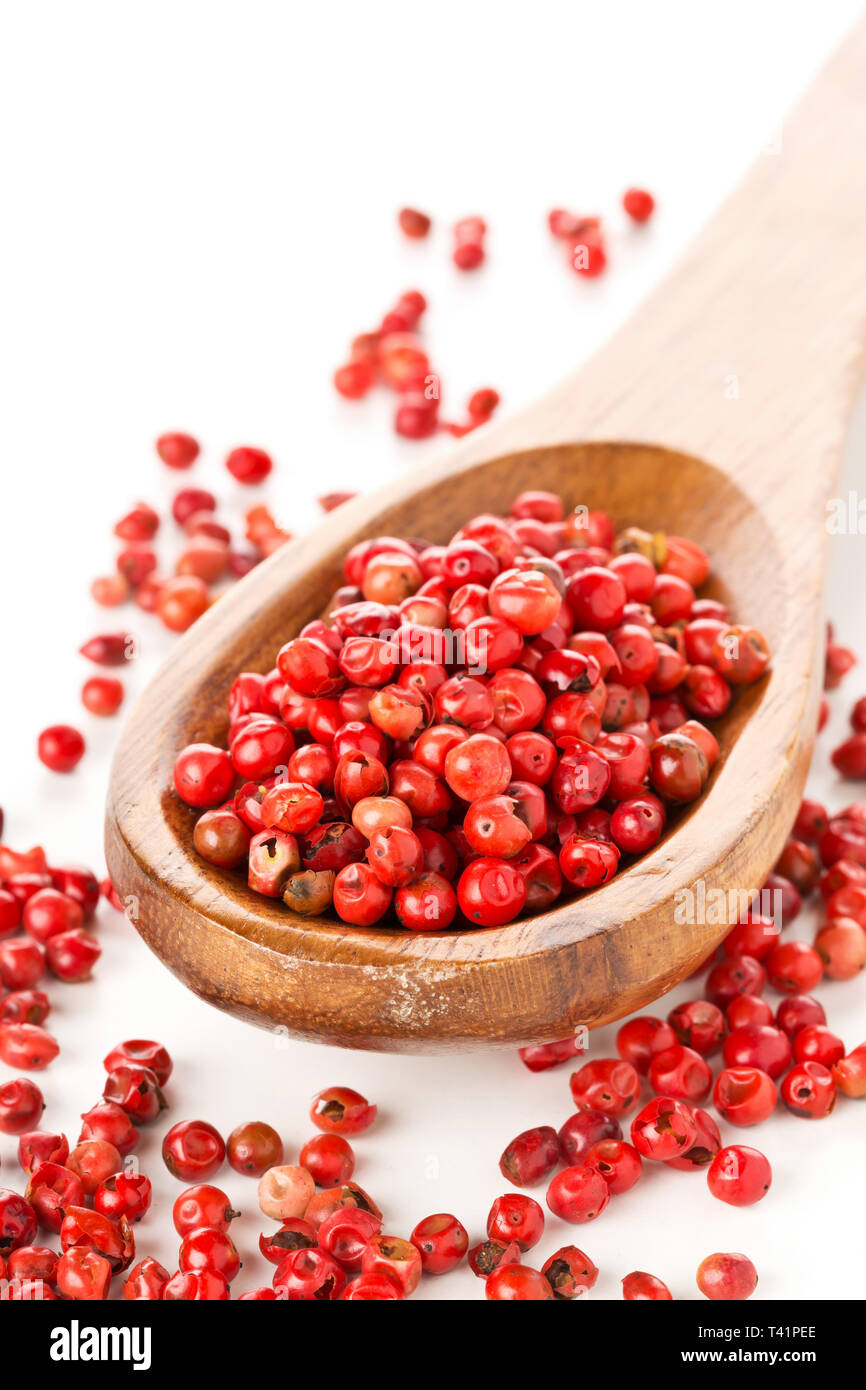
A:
x,y
741,370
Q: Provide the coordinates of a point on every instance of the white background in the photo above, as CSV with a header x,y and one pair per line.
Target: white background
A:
x,y
199,208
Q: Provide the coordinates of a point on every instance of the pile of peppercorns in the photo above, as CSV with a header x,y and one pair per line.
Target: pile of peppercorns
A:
x,y
329,1242
207,560
478,727
393,354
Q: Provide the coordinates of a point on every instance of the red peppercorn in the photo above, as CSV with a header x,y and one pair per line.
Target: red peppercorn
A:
x,y
799,863
681,1073
328,1159
203,774
759,1046
106,1123
48,912
286,1191
359,896
812,820
146,1280
755,936
843,873
441,1241
110,590
569,1272
193,1149
396,1258
413,223
123,1194
25,1006
482,404
515,1217
678,767
346,1233
102,695
177,450
491,892
137,1092
51,1190
140,523
617,1162
698,1025
848,902
799,1011
489,1254
733,976
191,501
71,955
109,648
794,968
32,1262
839,661
638,1040
196,1286
309,1275
664,1129
27,1046
640,1287
221,838
249,465
293,1234
202,1205
340,1110
141,1052
841,946
90,1164
744,1095
416,416
638,204
581,1131
809,1091
739,1176
21,1104
86,1229
371,1288
849,1074
543,1056
60,747
513,1282
180,601
254,1148
588,863
565,226
578,1194
844,838
22,963
609,1085
354,379
530,1157
10,914
37,1146
209,1249
705,1147
17,1222
588,256
727,1277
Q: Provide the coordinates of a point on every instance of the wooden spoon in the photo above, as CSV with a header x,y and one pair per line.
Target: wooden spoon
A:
x,y
741,369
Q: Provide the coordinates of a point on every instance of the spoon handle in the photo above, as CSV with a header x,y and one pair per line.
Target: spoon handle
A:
x,y
748,354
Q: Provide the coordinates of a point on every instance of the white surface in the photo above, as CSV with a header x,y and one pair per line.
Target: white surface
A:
x,y
199,216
